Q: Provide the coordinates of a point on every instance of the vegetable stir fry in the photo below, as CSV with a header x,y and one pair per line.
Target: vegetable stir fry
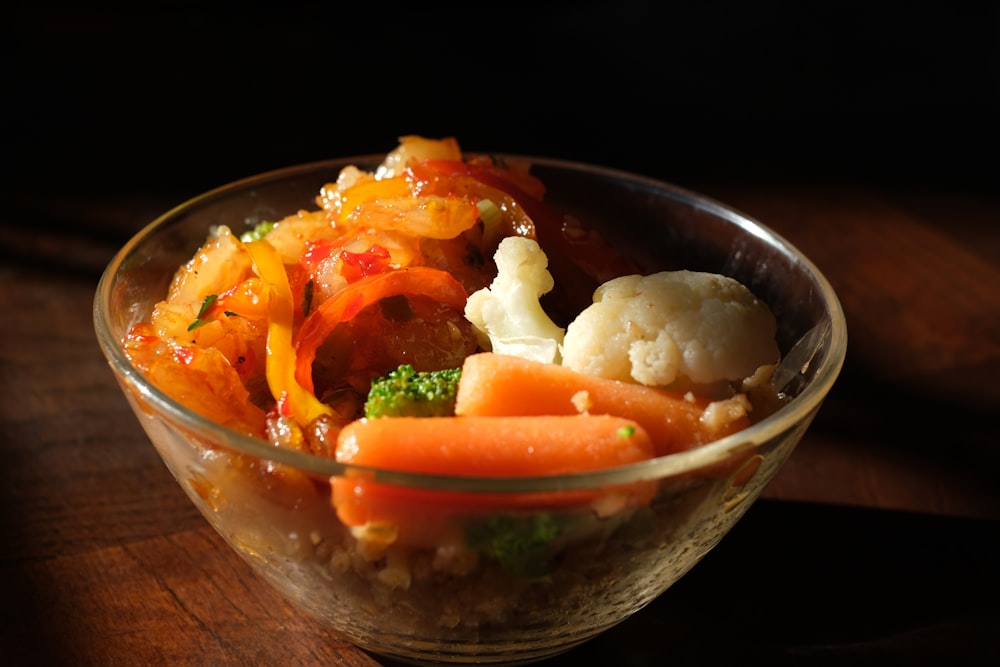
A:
x,y
406,306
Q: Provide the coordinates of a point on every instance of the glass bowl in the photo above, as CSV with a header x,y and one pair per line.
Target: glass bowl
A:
x,y
431,602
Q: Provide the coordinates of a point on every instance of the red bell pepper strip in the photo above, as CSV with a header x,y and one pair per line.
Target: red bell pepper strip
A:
x,y
341,307
354,267
357,265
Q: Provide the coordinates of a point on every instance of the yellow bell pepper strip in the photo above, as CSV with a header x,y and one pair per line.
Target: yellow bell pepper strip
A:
x,y
411,281
293,399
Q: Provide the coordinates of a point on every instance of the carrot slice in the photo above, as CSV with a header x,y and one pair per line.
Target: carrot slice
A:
x,y
498,385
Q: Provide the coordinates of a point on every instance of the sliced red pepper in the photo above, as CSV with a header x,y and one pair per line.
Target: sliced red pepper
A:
x,y
354,266
343,306
358,265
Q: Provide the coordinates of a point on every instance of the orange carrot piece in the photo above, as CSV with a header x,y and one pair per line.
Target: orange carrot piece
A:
x,y
498,385
423,516
481,447
494,446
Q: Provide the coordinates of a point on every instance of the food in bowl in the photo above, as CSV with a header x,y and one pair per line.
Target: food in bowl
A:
x,y
448,417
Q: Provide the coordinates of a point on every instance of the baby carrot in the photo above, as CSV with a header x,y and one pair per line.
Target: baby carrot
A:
x,y
481,447
494,446
498,385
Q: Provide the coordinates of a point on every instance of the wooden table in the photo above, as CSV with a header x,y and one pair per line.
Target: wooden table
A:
x,y
879,543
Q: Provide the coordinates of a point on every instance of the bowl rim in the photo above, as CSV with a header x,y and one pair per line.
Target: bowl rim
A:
x,y
796,411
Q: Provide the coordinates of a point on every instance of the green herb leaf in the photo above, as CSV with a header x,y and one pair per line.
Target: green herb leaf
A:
x,y
205,305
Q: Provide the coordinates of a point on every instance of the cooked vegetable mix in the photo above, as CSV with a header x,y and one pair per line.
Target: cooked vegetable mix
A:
x,y
399,325
505,385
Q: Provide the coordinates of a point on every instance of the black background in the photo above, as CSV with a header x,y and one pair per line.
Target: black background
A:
x,y
180,97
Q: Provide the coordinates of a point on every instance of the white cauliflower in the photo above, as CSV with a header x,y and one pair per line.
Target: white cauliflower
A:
x,y
672,325
508,313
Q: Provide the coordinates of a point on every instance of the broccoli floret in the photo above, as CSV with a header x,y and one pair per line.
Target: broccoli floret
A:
x,y
405,392
519,544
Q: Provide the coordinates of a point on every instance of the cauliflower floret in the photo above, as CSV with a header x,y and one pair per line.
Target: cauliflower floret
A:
x,y
508,314
672,325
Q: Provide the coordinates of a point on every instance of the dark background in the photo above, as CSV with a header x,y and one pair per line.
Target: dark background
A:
x,y
175,97
112,113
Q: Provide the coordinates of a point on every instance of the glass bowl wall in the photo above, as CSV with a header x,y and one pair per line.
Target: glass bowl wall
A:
x,y
273,505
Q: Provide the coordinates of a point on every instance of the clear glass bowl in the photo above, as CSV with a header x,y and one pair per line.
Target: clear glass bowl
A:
x,y
428,604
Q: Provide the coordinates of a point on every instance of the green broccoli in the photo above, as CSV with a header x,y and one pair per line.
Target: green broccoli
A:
x,y
405,392
519,543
